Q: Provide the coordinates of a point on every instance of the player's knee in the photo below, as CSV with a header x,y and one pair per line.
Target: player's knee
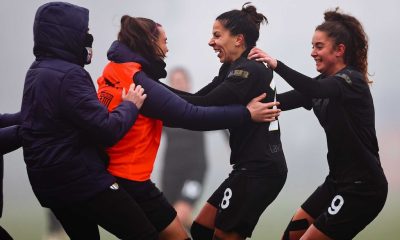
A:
x,y
295,225
200,232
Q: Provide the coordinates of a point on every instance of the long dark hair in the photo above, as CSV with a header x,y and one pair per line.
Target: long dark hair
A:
x,y
245,21
140,35
347,30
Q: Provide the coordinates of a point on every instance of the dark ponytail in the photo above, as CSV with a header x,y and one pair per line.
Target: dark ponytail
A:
x,y
347,30
246,21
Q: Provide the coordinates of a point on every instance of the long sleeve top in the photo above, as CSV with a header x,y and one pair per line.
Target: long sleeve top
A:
x,y
344,107
254,146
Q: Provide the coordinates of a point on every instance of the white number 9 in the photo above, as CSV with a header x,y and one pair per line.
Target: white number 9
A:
x,y
336,204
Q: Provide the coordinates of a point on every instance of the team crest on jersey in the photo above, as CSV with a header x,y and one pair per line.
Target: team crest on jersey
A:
x,y
239,73
345,77
105,98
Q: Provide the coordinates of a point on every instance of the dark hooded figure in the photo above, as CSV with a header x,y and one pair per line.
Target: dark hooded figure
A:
x,y
65,129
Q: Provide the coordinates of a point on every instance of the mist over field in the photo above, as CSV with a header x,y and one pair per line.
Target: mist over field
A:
x,y
188,25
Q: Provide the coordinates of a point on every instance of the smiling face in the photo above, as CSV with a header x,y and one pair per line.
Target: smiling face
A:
x,y
228,47
327,56
162,42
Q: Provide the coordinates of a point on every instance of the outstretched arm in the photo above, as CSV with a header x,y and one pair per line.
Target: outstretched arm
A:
x,y
202,92
316,88
292,100
9,139
174,111
9,119
218,94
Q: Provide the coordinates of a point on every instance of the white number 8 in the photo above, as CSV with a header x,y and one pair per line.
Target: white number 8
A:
x,y
336,204
227,196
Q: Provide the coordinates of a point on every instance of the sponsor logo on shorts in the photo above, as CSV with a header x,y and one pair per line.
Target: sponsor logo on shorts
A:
x,y
115,186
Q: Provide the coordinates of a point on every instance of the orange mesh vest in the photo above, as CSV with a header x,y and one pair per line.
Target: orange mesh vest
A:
x,y
134,155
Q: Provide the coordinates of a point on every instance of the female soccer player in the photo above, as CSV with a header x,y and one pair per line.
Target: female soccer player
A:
x,y
355,190
259,166
138,56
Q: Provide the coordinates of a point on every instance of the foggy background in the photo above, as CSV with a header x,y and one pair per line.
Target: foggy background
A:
x,y
188,25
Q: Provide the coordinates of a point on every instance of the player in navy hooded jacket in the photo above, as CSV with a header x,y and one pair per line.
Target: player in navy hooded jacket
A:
x,y
65,128
9,141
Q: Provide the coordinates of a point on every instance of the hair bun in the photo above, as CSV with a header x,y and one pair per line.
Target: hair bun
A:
x,y
250,10
335,16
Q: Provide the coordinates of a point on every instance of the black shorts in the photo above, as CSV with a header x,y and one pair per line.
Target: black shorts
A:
x,y
153,203
341,210
242,198
113,209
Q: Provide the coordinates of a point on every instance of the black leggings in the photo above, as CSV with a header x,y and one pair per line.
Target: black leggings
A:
x,y
4,234
114,210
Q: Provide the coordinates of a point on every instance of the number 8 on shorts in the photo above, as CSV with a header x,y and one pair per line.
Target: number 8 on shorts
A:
x,y
225,200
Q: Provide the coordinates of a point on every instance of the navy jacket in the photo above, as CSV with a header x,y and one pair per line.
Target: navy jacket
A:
x,y
9,141
174,111
64,126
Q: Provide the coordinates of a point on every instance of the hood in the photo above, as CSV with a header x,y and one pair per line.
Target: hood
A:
x,y
59,31
120,53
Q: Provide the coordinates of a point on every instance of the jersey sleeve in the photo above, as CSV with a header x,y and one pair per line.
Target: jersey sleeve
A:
x,y
213,94
233,89
223,71
229,87
220,96
292,100
328,87
209,87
